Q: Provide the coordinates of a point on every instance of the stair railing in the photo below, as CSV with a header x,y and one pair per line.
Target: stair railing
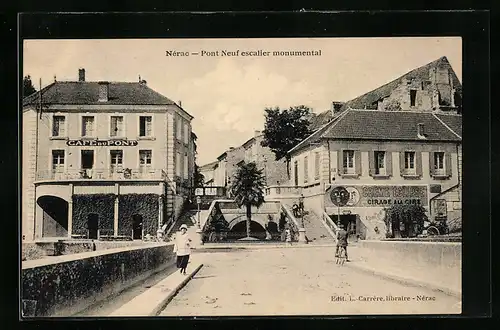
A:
x,y
329,224
291,220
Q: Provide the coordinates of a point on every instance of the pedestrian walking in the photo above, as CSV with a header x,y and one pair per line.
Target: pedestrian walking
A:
x,y
288,236
295,210
342,242
182,249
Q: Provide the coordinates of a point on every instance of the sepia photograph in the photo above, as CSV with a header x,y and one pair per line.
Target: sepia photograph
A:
x,y
241,177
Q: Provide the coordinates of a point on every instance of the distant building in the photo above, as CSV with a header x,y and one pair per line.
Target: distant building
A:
x,y
208,172
103,159
273,170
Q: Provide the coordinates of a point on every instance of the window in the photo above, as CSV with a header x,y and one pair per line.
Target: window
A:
x,y
410,162
58,126
145,159
348,161
116,159
145,125
186,168
316,165
58,160
116,128
186,133
179,129
306,168
178,164
413,97
87,126
439,163
380,167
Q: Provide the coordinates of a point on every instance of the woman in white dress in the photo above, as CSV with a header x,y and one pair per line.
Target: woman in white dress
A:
x,y
182,249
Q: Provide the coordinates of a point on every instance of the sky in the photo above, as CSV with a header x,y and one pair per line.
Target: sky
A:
x,y
227,95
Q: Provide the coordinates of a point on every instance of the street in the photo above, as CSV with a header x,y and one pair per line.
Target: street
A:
x,y
296,281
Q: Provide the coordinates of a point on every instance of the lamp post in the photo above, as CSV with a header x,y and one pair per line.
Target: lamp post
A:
x,y
198,201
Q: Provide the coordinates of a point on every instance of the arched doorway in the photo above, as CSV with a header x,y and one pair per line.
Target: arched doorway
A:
x,y
54,216
137,226
239,230
93,225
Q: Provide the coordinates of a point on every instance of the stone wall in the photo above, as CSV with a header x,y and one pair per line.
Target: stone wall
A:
x,y
441,261
66,285
38,250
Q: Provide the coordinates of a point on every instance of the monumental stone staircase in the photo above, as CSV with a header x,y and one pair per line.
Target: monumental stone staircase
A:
x,y
316,232
188,218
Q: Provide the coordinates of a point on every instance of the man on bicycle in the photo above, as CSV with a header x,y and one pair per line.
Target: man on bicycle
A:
x,y
342,241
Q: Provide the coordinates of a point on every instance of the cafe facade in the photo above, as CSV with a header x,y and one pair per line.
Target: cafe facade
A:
x,y
381,158
103,159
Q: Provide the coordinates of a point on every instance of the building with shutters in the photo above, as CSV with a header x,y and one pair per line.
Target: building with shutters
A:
x,y
103,159
381,158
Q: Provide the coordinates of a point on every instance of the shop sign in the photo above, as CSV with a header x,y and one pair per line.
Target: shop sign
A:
x,y
384,196
102,143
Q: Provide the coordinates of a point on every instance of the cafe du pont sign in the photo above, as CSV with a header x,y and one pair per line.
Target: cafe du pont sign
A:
x,y
382,196
102,143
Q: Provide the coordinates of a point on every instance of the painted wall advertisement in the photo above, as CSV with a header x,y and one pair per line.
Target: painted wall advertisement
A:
x,y
381,196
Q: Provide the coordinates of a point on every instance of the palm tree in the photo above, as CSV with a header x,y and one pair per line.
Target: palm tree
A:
x,y
248,189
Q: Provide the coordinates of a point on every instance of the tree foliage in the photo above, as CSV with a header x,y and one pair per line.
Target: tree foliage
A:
x,y
28,87
199,179
247,189
284,129
405,220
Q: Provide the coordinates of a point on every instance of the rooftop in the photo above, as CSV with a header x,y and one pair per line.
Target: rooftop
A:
x,y
367,100
87,92
362,124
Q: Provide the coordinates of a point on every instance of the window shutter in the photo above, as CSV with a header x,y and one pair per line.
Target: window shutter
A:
x,y
340,162
371,162
402,163
431,163
418,163
447,163
388,162
357,162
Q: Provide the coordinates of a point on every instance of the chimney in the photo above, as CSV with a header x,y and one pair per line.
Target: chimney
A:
x,y
103,91
180,104
420,131
81,74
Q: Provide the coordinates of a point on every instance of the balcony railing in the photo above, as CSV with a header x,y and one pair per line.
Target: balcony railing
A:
x,y
103,174
277,191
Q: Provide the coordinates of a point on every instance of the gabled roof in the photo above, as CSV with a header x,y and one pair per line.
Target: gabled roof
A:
x,y
354,124
422,73
366,100
320,119
87,92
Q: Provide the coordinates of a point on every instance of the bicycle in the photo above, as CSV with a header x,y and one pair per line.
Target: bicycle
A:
x,y
341,256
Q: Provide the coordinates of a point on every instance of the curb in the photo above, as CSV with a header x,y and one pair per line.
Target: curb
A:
x,y
161,306
406,281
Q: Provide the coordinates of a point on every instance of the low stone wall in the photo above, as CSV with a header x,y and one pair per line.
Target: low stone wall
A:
x,y
66,285
38,250
442,261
